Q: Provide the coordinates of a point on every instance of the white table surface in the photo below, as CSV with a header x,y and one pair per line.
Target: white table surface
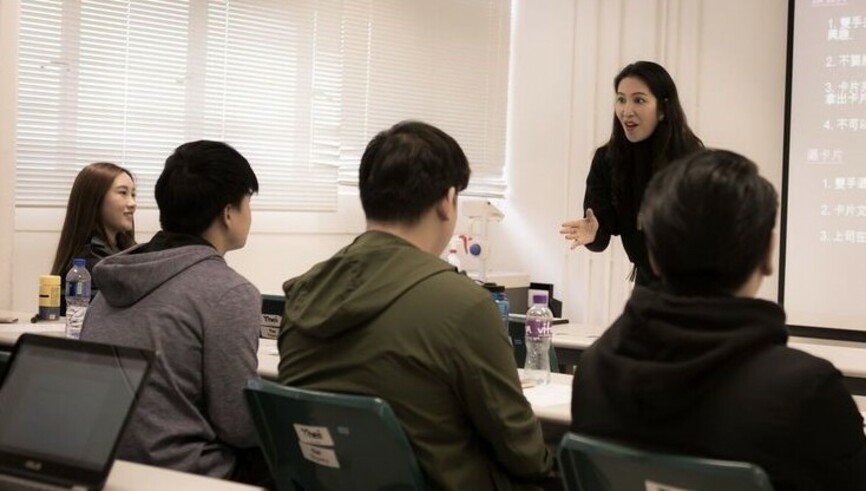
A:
x,y
9,333
847,356
550,402
129,476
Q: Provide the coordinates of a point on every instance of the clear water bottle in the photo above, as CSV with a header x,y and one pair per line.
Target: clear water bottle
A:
x,y
77,297
498,294
538,334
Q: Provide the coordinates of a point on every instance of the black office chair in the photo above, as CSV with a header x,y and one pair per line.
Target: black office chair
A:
x,y
593,464
316,440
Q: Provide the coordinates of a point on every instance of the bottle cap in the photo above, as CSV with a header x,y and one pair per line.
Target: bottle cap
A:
x,y
78,262
539,298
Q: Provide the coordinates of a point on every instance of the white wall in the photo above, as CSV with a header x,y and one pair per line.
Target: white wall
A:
x,y
564,57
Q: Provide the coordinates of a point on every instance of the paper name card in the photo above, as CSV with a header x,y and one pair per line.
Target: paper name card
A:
x,y
315,435
320,455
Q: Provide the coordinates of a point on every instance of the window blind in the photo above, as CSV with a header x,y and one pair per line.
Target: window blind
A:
x,y
443,62
257,93
98,81
298,87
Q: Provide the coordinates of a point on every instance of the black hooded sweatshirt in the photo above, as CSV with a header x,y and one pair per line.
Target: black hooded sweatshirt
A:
x,y
713,377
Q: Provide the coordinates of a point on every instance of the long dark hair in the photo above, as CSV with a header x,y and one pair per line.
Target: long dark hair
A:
x,y
84,214
671,139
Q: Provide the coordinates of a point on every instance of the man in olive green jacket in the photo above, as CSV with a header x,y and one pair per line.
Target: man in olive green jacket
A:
x,y
387,317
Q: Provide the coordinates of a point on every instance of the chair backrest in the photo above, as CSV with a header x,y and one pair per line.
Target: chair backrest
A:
x,y
4,360
592,464
319,440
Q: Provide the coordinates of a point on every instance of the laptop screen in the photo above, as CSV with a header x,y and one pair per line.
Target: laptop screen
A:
x,y
66,402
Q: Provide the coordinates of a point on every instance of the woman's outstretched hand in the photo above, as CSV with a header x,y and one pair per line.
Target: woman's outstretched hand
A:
x,y
580,232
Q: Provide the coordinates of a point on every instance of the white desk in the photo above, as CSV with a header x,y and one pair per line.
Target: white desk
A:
x,y
551,403
574,336
9,333
848,357
129,476
269,359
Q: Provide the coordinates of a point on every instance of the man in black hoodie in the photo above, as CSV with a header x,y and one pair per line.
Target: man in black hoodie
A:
x,y
699,366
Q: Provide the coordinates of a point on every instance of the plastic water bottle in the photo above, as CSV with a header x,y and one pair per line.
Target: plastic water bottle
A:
x,y
77,297
538,334
498,294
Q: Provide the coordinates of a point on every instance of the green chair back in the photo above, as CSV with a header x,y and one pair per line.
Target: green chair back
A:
x,y
316,440
591,464
4,360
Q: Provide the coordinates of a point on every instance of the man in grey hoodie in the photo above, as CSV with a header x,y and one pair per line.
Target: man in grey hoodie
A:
x,y
386,317
176,294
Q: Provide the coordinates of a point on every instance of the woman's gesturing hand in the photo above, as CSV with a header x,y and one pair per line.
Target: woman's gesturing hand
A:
x,y
582,231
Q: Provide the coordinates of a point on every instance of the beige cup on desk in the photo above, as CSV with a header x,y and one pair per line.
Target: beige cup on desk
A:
x,y
49,297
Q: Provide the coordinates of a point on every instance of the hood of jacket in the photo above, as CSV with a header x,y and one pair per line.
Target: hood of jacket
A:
x,y
356,284
665,350
127,277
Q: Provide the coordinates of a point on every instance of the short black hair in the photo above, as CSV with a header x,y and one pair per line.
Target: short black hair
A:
x,y
408,168
198,181
708,220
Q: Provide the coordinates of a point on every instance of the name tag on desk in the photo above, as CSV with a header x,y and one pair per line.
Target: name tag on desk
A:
x,y
270,328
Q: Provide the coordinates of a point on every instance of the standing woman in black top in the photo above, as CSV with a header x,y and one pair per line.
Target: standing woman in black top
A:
x,y
649,132
99,219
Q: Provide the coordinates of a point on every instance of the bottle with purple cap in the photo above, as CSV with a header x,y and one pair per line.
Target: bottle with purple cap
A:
x,y
538,335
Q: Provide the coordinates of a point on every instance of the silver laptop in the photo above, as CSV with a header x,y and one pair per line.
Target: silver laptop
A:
x,y
63,407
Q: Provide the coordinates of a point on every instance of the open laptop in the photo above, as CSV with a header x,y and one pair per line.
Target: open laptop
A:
x,y
63,407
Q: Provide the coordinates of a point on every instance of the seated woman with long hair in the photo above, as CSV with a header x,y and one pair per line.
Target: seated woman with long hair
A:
x,y
99,219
